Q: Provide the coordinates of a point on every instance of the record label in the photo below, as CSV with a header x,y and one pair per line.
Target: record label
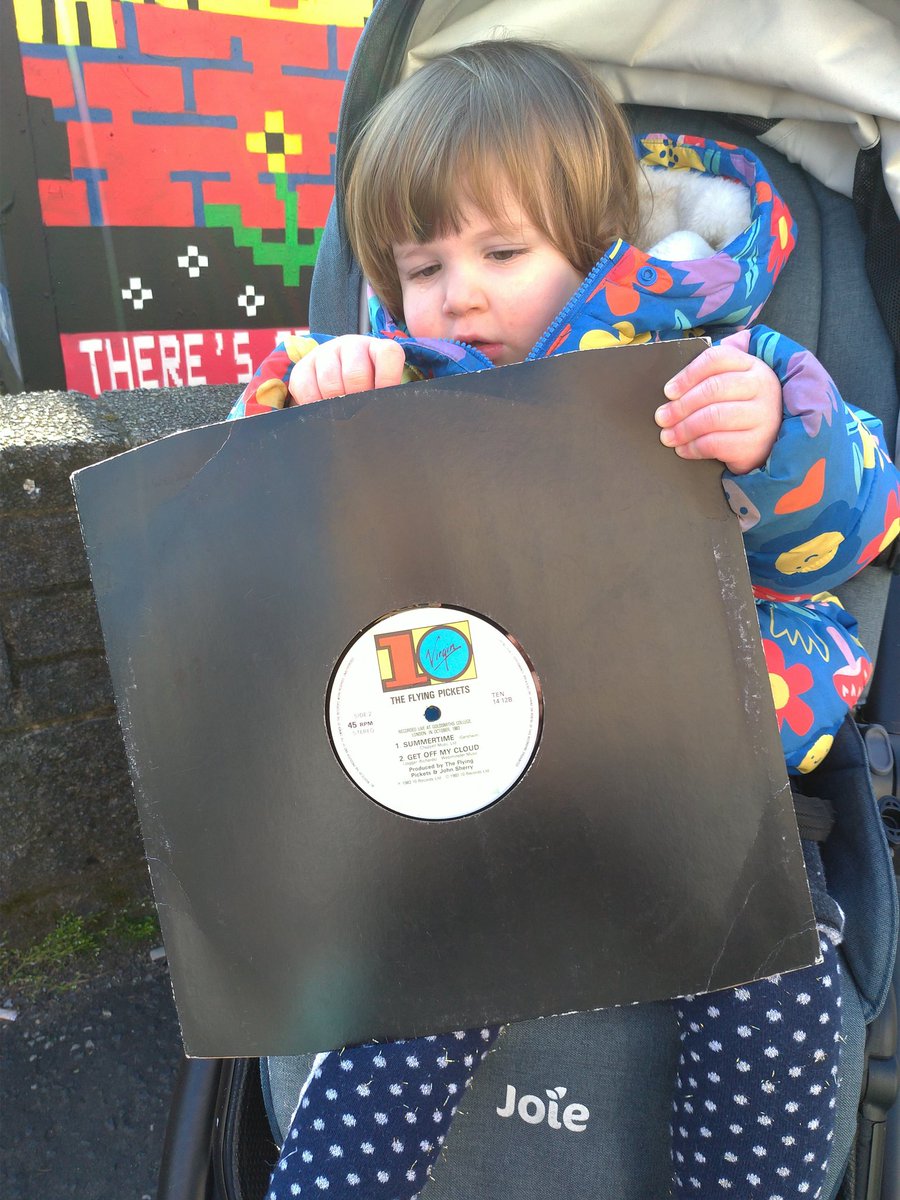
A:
x,y
434,712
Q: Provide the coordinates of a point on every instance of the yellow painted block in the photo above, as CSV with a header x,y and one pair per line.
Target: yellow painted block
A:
x,y
30,19
305,12
30,23
309,12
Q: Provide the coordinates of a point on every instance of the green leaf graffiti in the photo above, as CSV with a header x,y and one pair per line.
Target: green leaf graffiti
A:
x,y
290,254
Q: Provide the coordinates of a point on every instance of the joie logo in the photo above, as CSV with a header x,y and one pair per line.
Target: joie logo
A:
x,y
532,1110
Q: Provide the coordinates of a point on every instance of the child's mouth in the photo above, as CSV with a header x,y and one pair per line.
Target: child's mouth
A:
x,y
491,350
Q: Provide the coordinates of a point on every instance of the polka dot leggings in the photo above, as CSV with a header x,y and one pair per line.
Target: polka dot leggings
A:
x,y
756,1086
753,1108
372,1119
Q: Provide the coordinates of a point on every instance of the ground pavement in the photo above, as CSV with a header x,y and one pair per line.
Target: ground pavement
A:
x,y
85,1084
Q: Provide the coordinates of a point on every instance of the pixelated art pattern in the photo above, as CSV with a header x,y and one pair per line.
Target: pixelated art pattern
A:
x,y
213,120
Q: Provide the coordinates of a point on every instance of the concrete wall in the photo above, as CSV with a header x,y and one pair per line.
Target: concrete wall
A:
x,y
70,838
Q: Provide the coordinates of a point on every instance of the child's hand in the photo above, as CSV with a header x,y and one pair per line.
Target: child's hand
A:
x,y
345,365
726,404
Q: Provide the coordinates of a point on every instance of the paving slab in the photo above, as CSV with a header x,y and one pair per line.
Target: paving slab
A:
x,y
86,1082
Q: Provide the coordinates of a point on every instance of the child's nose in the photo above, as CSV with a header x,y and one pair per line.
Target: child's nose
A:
x,y
463,291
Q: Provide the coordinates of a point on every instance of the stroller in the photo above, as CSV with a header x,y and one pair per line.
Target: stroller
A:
x,y
228,1117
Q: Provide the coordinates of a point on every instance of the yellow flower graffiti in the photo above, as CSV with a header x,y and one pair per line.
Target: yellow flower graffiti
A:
x,y
274,142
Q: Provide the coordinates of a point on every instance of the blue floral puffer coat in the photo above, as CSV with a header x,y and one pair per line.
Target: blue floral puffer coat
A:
x,y
825,503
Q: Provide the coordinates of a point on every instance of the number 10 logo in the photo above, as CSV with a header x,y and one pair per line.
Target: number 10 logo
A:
x,y
423,657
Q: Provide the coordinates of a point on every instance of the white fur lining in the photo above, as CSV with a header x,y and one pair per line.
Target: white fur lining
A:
x,y
687,214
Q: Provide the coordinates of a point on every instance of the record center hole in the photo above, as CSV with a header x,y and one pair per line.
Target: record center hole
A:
x,y
432,713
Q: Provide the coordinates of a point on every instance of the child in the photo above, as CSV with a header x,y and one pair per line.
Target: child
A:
x,y
495,203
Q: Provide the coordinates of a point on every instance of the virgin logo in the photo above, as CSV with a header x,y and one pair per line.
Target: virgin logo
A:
x,y
533,1110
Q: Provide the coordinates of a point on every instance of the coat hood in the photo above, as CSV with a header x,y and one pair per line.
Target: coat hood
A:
x,y
630,296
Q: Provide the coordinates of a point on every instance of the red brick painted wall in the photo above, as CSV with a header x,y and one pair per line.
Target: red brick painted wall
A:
x,y
184,159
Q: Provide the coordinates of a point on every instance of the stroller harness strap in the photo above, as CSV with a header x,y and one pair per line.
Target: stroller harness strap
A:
x,y
815,816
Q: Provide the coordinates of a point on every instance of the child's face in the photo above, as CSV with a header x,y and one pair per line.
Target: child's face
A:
x,y
496,286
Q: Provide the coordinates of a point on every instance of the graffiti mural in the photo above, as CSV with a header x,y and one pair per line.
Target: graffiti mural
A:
x,y
184,155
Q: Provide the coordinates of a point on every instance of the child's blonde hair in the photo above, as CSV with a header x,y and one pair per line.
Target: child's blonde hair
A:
x,y
474,122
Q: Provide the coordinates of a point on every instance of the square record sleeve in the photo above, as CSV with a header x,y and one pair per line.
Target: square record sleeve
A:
x,y
636,842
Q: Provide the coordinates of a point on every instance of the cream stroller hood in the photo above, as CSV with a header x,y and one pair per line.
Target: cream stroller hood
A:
x,y
827,71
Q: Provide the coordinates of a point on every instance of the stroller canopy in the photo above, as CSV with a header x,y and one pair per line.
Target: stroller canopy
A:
x,y
823,76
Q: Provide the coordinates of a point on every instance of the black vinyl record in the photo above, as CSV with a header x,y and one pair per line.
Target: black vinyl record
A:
x,y
444,704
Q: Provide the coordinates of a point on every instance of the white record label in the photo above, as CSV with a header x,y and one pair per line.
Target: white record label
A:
x,y
434,712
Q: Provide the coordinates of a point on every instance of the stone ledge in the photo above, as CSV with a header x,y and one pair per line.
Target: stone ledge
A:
x,y
65,797
146,416
45,436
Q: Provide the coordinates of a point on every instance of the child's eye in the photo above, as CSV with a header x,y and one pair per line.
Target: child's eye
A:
x,y
505,255
425,272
